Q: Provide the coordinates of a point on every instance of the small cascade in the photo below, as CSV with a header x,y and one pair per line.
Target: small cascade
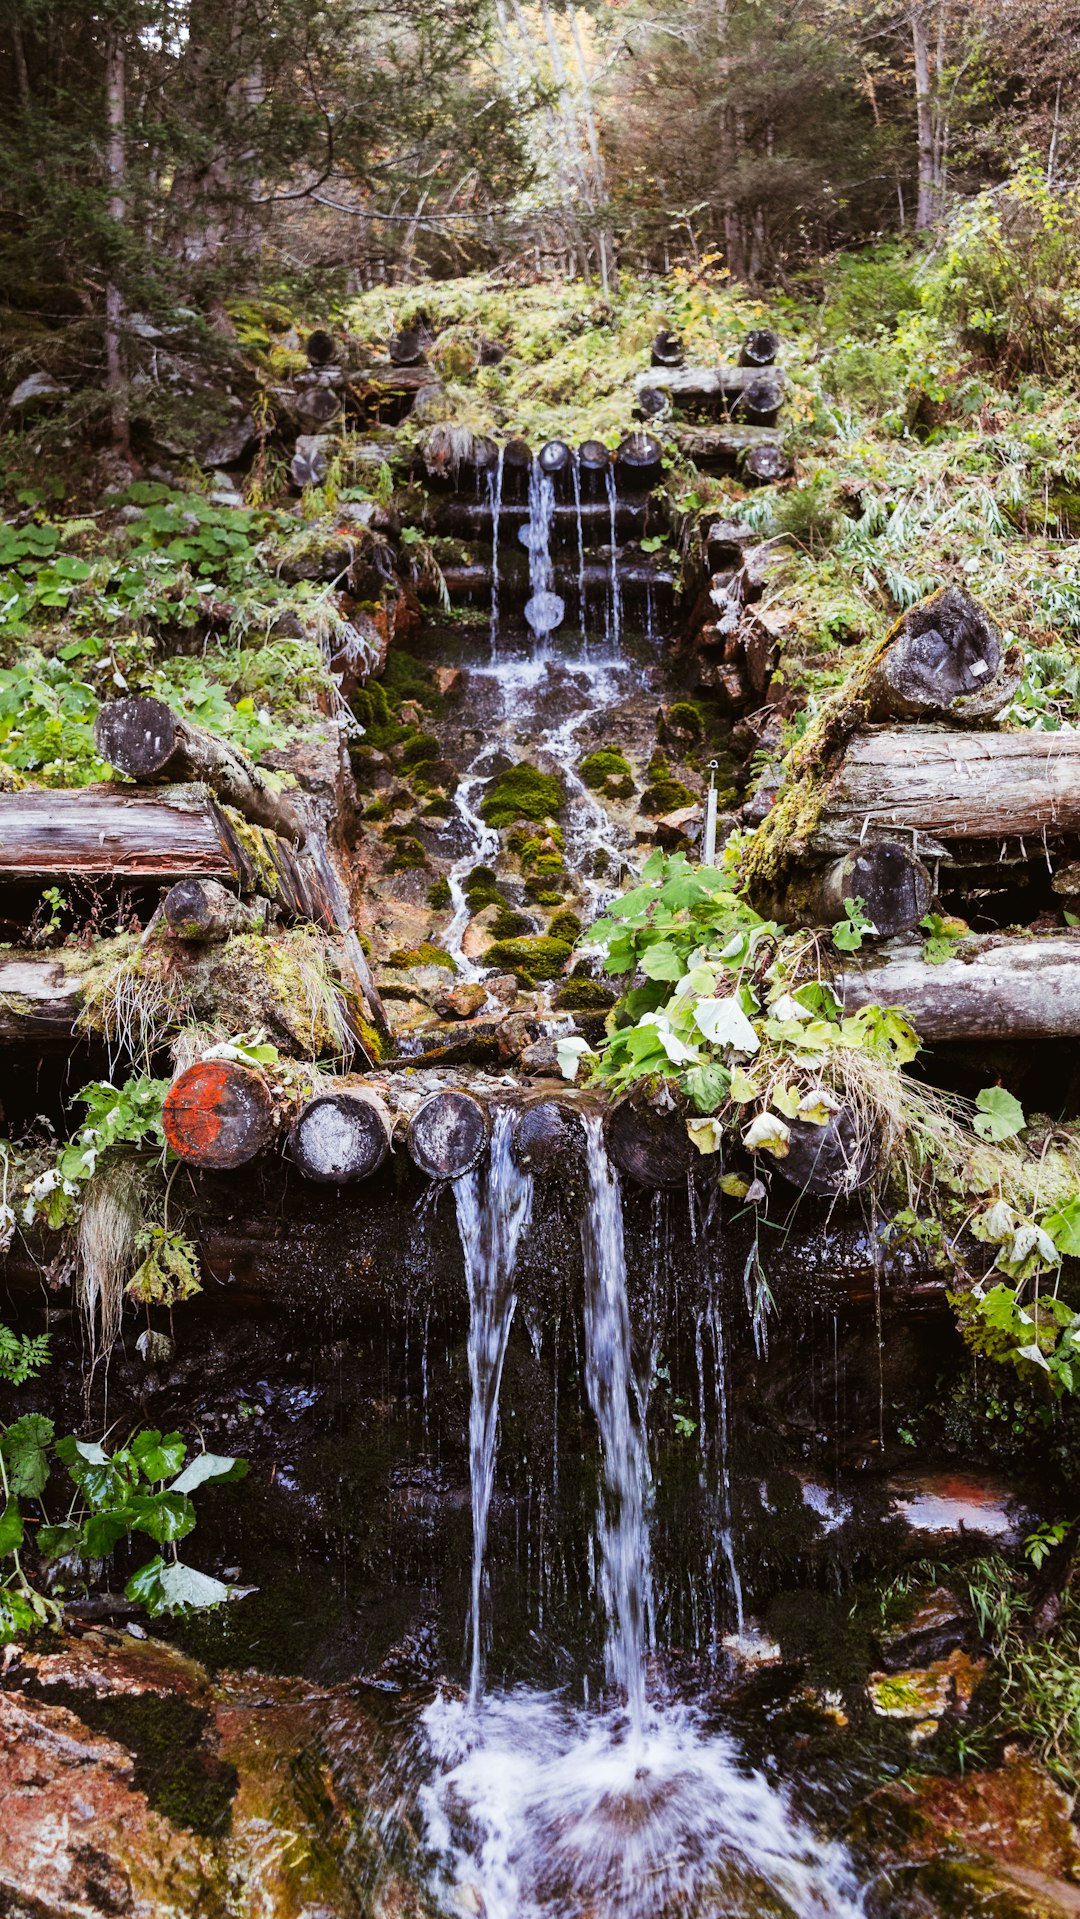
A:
x,y
495,492
576,471
622,1527
726,1529
616,587
493,1209
544,610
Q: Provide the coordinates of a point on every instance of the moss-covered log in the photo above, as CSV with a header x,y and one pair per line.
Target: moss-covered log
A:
x,y
154,746
341,1136
996,988
944,660
707,386
725,447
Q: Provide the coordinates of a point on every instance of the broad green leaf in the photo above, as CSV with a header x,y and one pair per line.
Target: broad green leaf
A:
x,y
661,961
11,1528
206,1466
1000,1115
724,1023
26,1459
158,1458
53,1542
1064,1228
706,1085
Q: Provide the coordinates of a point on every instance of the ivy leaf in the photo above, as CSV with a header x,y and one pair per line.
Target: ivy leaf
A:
x,y
26,1460
1000,1115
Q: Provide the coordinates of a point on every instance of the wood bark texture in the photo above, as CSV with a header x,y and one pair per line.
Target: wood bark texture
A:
x,y
999,987
206,912
153,745
894,886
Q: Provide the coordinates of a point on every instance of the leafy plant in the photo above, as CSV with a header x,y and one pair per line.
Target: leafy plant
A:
x,y
849,933
1000,1116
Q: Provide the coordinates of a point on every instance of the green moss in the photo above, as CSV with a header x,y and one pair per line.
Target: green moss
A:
x,y
608,771
439,894
564,926
584,996
378,810
407,852
523,793
508,925
666,796
542,957
183,1779
423,955
482,888
439,808
686,717
422,748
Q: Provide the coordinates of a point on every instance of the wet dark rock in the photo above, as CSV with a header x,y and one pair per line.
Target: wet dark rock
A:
x,y
937,1624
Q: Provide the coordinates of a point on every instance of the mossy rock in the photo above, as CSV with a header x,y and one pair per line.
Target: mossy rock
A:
x,y
482,888
666,796
565,926
423,955
523,793
686,718
584,996
408,852
608,771
420,749
508,924
542,957
439,894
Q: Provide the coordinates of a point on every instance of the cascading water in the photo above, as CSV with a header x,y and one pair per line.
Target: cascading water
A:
x,y
616,585
576,471
493,1210
533,1808
495,493
621,1522
544,609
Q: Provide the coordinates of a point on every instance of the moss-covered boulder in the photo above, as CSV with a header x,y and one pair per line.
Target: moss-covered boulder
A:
x,y
584,996
540,957
523,793
664,793
608,771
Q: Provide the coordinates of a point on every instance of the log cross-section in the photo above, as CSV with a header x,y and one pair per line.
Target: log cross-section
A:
x,y
218,1115
145,739
949,786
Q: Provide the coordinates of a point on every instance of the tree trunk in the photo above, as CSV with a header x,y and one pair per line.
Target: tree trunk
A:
x,y
895,888
341,1136
115,168
448,1134
999,988
926,210
945,787
206,913
155,746
218,1115
944,660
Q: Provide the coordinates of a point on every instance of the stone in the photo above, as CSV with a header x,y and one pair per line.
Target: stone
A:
x,y
478,935
514,1037
935,1626
38,389
504,987
464,1000
923,1693
540,1060
449,681
228,444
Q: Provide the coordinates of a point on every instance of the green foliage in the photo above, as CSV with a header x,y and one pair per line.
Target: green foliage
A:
x,y
943,937
116,1115
849,933
1011,275
522,793
807,515
1037,1675
1000,1115
22,1356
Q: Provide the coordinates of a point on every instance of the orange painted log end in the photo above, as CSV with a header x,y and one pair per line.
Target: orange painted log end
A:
x,y
218,1115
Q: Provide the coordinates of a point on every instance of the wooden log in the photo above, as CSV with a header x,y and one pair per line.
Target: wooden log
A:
x,y
545,1137
40,999
895,887
831,1160
938,787
341,1136
321,347
406,348
999,987
667,349
517,466
650,1147
448,1134
206,912
171,833
760,400
555,459
218,1115
153,745
639,463
945,660
651,404
723,448
593,463
707,386
760,347
766,464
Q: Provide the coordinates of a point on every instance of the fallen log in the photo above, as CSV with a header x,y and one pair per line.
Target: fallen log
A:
x,y
154,746
321,347
893,884
707,385
723,447
594,462
944,660
406,348
556,462
766,464
760,400
448,1134
1000,987
828,1161
171,833
516,469
218,1115
649,1147
943,787
205,911
341,1136
39,1000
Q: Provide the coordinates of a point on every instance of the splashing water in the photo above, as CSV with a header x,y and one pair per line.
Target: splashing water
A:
x,y
621,1523
544,610
495,493
580,549
493,1210
616,586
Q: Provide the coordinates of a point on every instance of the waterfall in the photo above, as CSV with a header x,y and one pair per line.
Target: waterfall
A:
x,y
493,1210
622,1526
545,609
580,547
495,493
616,587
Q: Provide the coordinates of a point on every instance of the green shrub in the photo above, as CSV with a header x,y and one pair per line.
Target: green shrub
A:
x,y
522,793
807,515
1011,276
870,290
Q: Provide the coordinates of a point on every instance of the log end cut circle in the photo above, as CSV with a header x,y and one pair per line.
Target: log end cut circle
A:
x,y
828,1161
894,886
448,1134
546,1138
341,1136
137,736
651,1148
759,348
218,1115
766,464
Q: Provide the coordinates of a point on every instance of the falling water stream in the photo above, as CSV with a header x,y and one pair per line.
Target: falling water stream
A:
x,y
531,1806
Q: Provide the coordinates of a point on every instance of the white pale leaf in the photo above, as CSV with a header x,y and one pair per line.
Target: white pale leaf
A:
x,y
569,1053
724,1023
676,1049
706,1134
204,1466
788,1008
818,1105
768,1133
